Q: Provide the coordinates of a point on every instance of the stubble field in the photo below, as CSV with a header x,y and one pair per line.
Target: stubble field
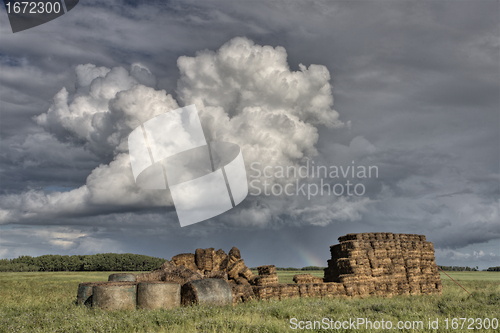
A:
x,y
45,302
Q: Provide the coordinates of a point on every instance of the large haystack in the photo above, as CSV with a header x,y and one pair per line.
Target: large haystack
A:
x,y
384,264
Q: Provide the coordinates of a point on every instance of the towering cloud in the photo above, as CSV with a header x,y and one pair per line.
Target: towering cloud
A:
x,y
245,93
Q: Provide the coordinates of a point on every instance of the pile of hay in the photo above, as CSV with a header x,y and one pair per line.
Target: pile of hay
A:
x,y
170,273
384,264
207,264
362,264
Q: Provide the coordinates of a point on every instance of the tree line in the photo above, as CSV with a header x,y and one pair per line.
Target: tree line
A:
x,y
94,262
459,268
308,268
494,269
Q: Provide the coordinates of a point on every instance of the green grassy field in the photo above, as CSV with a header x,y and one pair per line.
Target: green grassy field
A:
x,y
44,302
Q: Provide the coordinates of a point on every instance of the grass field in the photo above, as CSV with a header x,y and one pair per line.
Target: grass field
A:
x,y
44,302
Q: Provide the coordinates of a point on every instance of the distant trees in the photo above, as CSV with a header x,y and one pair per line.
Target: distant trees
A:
x,y
494,269
95,262
458,268
312,268
308,268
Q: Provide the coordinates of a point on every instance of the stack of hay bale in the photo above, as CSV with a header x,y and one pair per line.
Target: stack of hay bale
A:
x,y
362,264
384,264
267,286
267,276
266,283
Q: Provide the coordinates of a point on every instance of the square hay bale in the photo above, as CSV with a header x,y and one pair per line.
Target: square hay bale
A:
x,y
413,270
392,287
362,289
350,245
380,253
377,272
348,278
259,292
241,280
266,270
246,273
355,254
235,269
403,288
380,288
323,289
302,278
219,258
414,288
244,293
398,261
204,259
386,261
313,289
350,289
266,280
234,254
412,262
331,288
303,290
363,261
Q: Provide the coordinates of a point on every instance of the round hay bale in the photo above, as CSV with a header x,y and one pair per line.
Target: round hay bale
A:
x,y
158,295
115,296
206,291
122,277
84,295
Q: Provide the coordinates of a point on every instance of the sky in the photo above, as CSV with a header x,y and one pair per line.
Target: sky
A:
x,y
408,88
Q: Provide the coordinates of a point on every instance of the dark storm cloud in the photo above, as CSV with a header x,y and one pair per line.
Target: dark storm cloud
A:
x,y
419,82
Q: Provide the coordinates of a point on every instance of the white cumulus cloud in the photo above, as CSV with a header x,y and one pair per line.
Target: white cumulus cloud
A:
x,y
245,93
